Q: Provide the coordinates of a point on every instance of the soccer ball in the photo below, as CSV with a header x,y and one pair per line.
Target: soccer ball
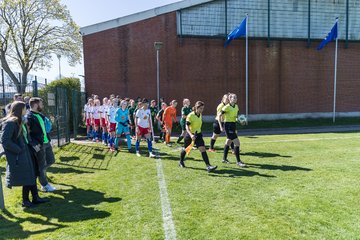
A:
x,y
242,119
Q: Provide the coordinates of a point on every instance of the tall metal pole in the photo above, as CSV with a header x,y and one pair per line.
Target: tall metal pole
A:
x,y
157,78
3,85
59,57
158,46
247,68
335,72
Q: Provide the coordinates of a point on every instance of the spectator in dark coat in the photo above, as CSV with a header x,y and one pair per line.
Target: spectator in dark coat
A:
x,y
20,169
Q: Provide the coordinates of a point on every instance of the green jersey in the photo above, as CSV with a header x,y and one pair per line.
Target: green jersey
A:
x,y
185,111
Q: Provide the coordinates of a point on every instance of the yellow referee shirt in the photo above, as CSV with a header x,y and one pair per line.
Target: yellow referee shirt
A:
x,y
218,110
194,122
230,113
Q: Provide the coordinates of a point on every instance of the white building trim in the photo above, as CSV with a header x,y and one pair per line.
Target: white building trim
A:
x,y
140,16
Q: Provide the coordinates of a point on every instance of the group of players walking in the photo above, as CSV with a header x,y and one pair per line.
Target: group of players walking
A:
x,y
115,117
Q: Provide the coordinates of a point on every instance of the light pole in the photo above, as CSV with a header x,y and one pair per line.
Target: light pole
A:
x,y
82,82
59,57
158,46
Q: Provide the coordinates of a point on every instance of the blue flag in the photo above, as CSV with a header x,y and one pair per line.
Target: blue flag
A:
x,y
332,35
237,32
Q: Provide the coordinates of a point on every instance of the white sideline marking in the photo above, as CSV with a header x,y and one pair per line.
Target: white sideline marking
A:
x,y
301,140
169,227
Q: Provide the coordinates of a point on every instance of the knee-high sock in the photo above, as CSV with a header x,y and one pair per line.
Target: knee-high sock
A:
x,y
103,136
212,143
182,155
116,142
226,151
180,138
111,141
237,154
167,137
128,140
137,145
149,144
205,158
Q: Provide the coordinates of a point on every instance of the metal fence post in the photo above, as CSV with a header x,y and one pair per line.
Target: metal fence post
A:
x,y
75,100
2,204
57,115
35,87
3,86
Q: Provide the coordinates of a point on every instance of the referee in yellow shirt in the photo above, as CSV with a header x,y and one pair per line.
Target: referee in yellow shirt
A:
x,y
193,133
229,114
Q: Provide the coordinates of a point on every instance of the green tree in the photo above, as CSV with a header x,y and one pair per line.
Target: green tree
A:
x,y
32,32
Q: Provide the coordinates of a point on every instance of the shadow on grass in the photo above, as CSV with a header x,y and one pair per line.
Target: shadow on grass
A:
x,y
278,167
264,155
11,226
238,172
88,157
65,170
70,205
166,156
74,205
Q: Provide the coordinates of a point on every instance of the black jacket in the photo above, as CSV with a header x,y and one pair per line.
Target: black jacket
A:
x,y
35,130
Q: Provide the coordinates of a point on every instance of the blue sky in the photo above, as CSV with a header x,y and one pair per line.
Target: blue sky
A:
x,y
85,12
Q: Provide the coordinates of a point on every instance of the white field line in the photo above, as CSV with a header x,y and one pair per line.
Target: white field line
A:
x,y
301,140
169,226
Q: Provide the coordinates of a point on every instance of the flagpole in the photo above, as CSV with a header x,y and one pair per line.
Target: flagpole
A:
x,y
335,73
247,68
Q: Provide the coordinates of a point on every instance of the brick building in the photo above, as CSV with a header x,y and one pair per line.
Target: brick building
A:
x,y
288,77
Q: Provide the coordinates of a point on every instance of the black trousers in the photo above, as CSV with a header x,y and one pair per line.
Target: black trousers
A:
x,y
26,191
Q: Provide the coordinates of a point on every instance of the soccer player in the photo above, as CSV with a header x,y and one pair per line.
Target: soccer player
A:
x,y
159,118
186,109
103,112
229,115
216,126
193,130
153,110
111,114
143,126
132,108
95,116
122,125
87,117
169,117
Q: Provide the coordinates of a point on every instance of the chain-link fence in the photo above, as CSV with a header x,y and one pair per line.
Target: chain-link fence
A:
x,y
8,88
62,105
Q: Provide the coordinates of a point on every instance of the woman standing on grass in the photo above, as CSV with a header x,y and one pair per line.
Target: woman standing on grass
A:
x,y
228,115
20,170
185,111
193,129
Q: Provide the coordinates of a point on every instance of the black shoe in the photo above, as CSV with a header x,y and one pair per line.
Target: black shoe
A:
x,y
40,200
27,204
131,151
182,164
226,161
211,168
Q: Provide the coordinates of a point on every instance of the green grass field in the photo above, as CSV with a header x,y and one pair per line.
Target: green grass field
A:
x,y
296,187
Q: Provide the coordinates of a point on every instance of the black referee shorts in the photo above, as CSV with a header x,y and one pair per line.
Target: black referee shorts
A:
x,y
199,141
230,130
216,127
